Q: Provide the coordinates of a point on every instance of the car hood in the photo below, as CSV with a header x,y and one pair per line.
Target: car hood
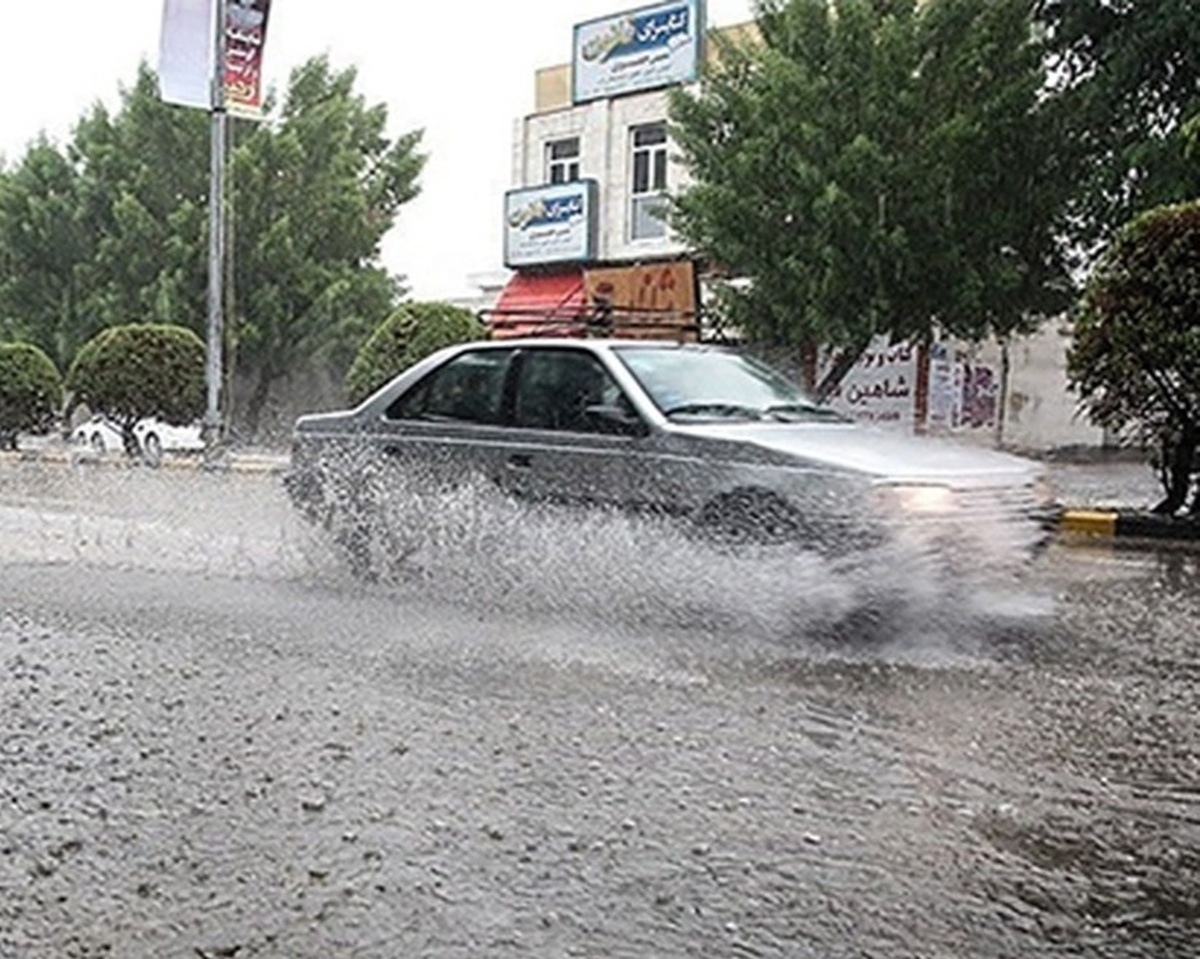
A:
x,y
878,453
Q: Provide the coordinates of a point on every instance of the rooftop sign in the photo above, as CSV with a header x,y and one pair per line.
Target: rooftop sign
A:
x,y
641,49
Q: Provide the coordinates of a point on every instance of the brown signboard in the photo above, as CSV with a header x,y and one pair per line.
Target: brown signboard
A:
x,y
652,301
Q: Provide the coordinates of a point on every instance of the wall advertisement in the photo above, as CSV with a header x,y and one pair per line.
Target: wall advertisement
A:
x,y
881,388
641,49
913,388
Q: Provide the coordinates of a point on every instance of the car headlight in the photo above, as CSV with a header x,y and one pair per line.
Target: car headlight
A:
x,y
909,498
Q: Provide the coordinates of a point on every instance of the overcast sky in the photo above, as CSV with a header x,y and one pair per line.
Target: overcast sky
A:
x,y
462,71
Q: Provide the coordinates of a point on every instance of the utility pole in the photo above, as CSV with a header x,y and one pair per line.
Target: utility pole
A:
x,y
213,432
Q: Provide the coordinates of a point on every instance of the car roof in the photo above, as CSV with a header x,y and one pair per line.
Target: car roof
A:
x,y
592,343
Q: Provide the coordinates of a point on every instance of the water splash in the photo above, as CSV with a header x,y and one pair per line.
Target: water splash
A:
x,y
472,545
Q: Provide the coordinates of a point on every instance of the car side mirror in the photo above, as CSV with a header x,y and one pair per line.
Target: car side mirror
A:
x,y
616,419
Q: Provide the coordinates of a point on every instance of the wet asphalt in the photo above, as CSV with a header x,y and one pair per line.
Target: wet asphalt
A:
x,y
567,741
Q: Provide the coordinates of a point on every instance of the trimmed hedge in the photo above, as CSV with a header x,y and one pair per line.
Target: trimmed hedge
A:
x,y
139,370
31,391
411,333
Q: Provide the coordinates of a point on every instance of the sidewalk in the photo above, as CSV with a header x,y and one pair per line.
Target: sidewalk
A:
x,y
38,449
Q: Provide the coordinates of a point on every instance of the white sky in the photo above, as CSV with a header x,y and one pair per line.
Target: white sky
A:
x,y
461,70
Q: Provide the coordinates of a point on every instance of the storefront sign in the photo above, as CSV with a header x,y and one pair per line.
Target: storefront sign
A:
x,y
650,47
550,224
652,300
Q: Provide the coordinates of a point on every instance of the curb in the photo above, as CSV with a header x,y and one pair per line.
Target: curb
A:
x,y
1117,524
225,463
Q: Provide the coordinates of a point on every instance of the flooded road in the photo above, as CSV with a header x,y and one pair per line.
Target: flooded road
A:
x,y
546,740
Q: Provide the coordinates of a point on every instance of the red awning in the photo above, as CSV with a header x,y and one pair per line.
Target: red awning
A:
x,y
539,304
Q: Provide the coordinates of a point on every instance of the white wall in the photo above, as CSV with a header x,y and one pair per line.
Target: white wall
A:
x,y
1039,413
968,396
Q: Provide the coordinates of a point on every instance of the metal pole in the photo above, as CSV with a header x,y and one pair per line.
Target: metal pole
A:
x,y
216,237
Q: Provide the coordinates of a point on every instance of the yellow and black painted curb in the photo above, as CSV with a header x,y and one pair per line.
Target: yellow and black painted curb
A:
x,y
1124,524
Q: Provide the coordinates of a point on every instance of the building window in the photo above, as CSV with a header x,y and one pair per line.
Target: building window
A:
x,y
562,160
648,190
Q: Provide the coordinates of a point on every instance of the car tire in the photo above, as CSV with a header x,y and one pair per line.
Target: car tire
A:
x,y
749,516
152,450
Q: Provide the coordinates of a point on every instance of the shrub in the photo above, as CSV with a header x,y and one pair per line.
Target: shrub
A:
x,y
411,333
131,372
31,391
1135,359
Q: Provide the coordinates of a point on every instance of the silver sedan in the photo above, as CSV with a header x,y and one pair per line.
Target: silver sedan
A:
x,y
699,432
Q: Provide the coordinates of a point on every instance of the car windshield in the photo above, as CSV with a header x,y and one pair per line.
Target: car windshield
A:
x,y
717,384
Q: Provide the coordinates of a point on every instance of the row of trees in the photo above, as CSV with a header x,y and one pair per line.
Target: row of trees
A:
x,y
129,372
112,229
902,166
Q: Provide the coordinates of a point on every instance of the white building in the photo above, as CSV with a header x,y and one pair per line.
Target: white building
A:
x,y
584,225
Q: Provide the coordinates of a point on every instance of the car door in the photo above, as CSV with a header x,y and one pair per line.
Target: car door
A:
x,y
570,442
447,430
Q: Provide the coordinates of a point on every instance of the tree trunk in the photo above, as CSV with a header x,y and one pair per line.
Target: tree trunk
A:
x,y
843,362
257,401
1178,462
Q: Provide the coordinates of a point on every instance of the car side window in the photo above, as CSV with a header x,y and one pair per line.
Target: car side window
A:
x,y
555,387
469,388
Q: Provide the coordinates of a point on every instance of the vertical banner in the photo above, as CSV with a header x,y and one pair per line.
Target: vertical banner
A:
x,y
245,38
185,53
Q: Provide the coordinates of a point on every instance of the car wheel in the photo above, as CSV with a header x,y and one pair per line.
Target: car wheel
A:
x,y
152,450
96,441
750,516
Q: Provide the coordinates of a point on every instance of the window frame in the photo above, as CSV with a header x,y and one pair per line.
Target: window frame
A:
x,y
568,164
649,164
524,374
401,409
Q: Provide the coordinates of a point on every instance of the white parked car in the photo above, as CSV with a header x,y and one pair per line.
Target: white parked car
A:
x,y
154,437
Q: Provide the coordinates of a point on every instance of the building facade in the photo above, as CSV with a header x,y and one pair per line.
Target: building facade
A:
x,y
585,229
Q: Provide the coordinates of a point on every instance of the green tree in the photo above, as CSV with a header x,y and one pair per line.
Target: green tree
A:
x,y
43,249
1135,360
143,175
139,370
116,227
866,167
31,391
410,334
1127,81
315,198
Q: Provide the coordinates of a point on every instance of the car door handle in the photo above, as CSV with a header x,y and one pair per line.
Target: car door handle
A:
x,y
520,461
